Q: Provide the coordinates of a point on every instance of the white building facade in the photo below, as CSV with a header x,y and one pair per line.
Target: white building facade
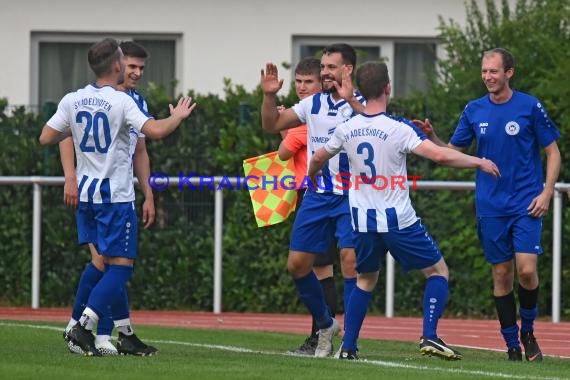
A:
x,y
199,43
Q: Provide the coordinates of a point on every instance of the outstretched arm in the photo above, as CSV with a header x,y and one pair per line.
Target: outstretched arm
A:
x,y
426,127
453,158
158,129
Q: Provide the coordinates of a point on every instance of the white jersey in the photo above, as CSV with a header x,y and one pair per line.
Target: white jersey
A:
x,y
100,119
322,115
377,146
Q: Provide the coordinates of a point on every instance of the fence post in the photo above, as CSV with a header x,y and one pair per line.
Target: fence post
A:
x,y
390,280
218,221
36,243
556,255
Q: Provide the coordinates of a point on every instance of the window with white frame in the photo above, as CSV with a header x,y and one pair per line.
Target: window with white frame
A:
x,y
59,63
408,60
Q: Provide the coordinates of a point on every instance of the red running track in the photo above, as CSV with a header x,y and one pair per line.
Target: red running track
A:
x,y
554,338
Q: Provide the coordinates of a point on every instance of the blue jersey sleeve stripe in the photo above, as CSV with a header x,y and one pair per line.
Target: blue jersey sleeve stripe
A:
x,y
418,131
139,100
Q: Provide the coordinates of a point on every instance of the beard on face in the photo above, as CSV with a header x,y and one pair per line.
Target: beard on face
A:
x,y
331,89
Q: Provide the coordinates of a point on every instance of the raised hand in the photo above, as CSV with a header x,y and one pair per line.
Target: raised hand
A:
x,y
345,89
269,81
425,126
183,109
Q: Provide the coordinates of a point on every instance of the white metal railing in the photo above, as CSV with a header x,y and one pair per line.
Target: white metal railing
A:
x,y
39,181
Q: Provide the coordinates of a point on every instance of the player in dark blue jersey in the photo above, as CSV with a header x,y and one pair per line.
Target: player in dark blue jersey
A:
x,y
510,128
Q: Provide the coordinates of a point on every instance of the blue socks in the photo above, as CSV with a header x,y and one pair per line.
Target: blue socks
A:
x,y
89,278
349,286
311,294
354,317
120,309
511,336
105,323
435,298
528,317
109,290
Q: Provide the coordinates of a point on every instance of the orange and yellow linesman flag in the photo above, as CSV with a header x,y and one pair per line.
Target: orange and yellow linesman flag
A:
x,y
272,202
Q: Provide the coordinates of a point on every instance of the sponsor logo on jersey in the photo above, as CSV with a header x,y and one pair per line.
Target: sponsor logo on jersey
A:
x,y
319,139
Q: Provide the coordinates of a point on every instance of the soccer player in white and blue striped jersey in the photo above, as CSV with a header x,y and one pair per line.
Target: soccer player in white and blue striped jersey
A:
x,y
128,343
99,118
324,212
510,127
382,214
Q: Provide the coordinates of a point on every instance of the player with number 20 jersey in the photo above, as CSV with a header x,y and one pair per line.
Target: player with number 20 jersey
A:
x,y
96,117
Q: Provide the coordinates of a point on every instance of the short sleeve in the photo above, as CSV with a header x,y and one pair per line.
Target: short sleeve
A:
x,y
134,115
463,135
545,129
296,139
411,137
60,121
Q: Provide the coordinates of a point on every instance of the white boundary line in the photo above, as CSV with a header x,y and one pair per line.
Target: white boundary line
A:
x,y
381,363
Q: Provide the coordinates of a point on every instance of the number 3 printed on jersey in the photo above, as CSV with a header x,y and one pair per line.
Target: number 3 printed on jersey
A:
x,y
369,160
94,122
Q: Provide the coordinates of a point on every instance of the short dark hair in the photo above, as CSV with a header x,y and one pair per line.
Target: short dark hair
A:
x,y
371,79
508,57
309,66
102,55
346,51
133,49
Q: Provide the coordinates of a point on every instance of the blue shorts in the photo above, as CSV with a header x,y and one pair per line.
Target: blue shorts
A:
x,y
111,227
502,236
320,219
412,247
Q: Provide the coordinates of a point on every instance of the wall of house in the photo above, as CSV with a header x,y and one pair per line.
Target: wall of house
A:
x,y
215,39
